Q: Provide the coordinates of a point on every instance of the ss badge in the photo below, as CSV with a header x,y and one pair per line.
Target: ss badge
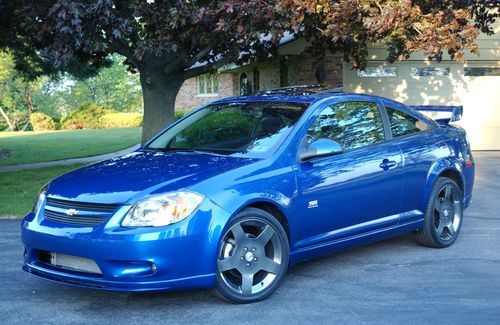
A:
x,y
312,204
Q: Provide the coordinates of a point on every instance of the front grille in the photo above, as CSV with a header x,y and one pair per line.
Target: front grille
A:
x,y
96,207
77,213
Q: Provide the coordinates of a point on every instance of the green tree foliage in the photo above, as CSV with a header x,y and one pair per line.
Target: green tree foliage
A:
x,y
113,87
16,95
58,95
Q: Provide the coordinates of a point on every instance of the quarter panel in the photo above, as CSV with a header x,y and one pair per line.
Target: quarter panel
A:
x,y
425,155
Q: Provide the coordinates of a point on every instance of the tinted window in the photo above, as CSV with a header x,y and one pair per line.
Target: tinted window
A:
x,y
475,72
252,127
351,124
403,124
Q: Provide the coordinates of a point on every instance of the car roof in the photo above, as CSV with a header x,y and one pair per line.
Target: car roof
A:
x,y
314,93
296,94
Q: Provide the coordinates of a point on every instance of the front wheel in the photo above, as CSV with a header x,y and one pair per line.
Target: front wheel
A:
x,y
443,217
253,257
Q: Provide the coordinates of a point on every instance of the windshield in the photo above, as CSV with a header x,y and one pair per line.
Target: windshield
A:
x,y
250,127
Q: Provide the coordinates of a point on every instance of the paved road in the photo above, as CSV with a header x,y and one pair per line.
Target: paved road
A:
x,y
66,162
394,281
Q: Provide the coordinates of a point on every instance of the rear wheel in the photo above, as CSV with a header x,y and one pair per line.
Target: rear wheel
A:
x,y
443,217
253,257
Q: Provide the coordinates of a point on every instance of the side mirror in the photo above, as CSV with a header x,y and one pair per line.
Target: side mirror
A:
x,y
321,148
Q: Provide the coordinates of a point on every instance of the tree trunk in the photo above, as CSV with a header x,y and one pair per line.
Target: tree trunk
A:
x,y
29,103
9,123
159,92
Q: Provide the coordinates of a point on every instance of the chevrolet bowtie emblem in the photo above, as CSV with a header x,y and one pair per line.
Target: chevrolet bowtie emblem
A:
x,y
71,212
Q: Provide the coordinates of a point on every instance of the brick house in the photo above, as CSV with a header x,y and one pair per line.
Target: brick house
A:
x,y
292,67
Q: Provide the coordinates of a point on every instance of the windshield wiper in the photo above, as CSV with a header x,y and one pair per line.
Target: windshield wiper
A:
x,y
154,149
194,150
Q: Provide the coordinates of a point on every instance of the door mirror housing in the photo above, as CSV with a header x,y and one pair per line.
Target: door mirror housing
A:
x,y
320,148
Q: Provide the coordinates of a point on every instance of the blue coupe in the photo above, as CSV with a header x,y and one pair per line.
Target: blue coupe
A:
x,y
233,194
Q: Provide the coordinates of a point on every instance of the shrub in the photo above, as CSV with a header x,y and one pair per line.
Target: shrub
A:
x,y
85,117
120,120
180,113
42,122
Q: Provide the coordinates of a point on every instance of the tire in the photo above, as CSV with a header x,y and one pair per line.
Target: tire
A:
x,y
253,257
443,216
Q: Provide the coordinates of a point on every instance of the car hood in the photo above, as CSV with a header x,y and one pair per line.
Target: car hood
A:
x,y
128,178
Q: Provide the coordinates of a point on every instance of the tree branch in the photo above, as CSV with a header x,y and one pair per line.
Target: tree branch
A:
x,y
193,72
181,59
120,47
200,55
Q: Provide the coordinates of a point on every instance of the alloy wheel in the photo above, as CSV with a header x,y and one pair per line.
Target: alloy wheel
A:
x,y
250,257
447,213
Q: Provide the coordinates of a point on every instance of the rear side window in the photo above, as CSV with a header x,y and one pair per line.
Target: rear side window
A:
x,y
351,124
404,124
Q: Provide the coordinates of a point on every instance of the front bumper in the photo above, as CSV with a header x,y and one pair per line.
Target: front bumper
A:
x,y
184,254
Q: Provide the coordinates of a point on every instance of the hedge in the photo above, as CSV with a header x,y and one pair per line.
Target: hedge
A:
x,y
120,120
92,116
85,117
42,122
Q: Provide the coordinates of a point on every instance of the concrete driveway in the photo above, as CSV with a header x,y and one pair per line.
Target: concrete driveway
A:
x,y
395,281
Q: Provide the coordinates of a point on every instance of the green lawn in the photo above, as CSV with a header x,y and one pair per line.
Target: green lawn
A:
x,y
30,147
18,189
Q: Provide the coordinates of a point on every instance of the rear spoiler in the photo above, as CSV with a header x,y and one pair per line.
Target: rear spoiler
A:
x,y
456,112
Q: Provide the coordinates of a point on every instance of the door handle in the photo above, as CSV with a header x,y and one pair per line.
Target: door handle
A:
x,y
387,164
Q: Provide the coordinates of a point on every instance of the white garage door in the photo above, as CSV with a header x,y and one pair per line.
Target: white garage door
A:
x,y
480,96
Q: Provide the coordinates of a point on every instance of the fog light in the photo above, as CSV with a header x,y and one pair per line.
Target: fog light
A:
x,y
132,268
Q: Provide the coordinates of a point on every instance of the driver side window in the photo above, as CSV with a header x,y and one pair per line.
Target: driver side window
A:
x,y
351,124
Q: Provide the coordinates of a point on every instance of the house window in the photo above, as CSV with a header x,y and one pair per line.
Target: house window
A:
x,y
256,79
479,72
245,87
378,72
208,83
284,72
425,72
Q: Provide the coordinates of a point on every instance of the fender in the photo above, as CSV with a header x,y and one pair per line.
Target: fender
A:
x,y
439,167
278,200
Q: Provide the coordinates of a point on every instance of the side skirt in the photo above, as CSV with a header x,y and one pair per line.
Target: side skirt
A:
x,y
309,252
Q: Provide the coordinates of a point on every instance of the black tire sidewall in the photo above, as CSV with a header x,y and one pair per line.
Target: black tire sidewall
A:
x,y
252,214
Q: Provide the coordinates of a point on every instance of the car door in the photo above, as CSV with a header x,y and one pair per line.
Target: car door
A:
x,y
357,190
421,145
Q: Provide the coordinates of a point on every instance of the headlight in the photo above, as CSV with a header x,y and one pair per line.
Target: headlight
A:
x,y
40,198
162,210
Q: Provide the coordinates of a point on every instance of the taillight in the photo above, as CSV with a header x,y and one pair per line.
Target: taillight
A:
x,y
468,160
468,157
